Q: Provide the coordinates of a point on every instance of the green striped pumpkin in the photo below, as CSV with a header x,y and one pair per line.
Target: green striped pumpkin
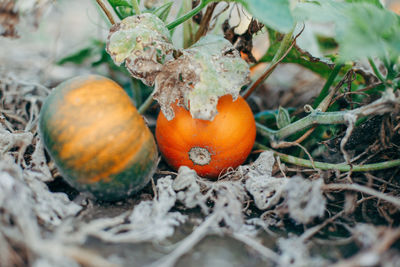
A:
x,y
97,138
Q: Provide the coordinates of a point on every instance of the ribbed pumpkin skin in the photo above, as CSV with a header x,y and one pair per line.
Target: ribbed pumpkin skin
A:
x,y
96,137
229,137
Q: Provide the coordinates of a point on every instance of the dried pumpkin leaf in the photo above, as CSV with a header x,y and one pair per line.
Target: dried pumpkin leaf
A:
x,y
143,43
9,18
209,69
18,14
305,199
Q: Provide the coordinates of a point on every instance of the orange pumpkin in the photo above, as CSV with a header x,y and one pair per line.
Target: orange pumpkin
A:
x,y
96,137
209,147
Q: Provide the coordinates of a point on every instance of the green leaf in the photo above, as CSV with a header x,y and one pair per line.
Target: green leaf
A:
x,y
95,54
322,67
282,118
163,11
77,57
124,11
326,43
273,13
116,3
362,29
373,2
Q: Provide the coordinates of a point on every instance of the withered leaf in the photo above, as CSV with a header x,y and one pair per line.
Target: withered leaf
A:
x,y
22,13
9,18
208,70
143,43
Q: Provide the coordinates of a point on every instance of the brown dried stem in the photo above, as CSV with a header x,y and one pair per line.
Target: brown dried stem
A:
x,y
388,237
205,22
362,189
106,11
283,51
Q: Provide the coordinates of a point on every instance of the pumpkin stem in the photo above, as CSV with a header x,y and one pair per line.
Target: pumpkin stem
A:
x,y
199,155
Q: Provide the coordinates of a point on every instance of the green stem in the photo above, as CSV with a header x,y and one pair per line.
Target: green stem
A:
x,y
136,91
391,74
325,90
266,132
116,12
180,12
376,71
344,167
187,26
146,104
188,15
316,117
285,44
136,7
